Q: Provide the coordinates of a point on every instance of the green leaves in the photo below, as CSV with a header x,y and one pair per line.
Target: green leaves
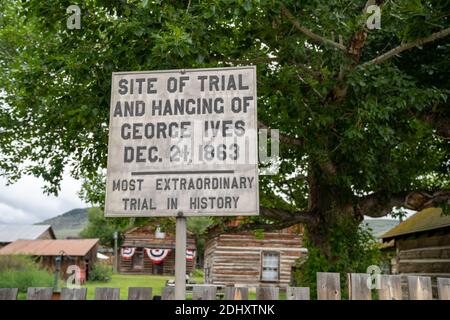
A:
x,y
56,85
174,40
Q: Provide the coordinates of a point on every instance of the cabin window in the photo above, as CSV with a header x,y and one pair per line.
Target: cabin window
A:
x,y
270,266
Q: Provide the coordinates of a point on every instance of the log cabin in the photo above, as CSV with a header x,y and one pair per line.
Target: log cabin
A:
x,y
147,250
79,252
421,244
245,258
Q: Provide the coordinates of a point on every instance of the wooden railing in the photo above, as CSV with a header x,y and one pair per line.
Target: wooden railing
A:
x,y
328,288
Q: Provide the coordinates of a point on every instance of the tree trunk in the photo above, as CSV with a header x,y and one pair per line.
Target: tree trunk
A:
x,y
323,229
333,210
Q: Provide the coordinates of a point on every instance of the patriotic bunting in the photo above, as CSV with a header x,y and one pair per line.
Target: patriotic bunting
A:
x,y
157,255
190,254
127,253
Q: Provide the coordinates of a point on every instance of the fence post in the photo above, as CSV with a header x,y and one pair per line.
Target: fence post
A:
x,y
390,287
236,293
328,286
204,293
443,288
73,294
139,293
39,293
267,293
357,286
298,293
419,288
168,293
107,293
8,293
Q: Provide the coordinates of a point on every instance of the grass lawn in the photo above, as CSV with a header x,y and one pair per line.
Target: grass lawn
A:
x,y
125,281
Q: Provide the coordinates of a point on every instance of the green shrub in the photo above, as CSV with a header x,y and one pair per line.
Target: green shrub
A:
x,y
100,272
22,272
23,279
198,273
16,262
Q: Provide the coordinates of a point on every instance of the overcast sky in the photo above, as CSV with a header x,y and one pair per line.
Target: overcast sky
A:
x,y
24,202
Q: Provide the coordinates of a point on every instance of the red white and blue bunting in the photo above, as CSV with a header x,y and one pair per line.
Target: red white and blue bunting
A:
x,y
190,254
157,255
127,253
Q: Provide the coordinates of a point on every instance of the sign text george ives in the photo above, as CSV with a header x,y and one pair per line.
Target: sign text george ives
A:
x,y
183,141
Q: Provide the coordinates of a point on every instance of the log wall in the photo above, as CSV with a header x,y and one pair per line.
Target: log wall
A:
x,y
424,254
236,258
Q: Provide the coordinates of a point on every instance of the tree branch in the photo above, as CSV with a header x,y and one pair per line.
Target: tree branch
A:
x,y
313,73
380,204
418,42
420,200
286,216
284,219
283,138
317,75
438,122
285,11
328,167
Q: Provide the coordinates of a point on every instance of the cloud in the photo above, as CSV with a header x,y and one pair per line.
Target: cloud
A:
x,y
10,215
24,202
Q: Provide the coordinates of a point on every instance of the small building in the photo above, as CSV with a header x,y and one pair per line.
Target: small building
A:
x,y
247,259
12,232
420,245
147,250
80,252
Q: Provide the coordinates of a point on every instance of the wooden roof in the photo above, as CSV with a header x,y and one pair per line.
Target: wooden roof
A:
x,y
215,229
427,219
78,247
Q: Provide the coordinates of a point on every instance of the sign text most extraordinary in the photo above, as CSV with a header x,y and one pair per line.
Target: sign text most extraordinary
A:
x,y
183,141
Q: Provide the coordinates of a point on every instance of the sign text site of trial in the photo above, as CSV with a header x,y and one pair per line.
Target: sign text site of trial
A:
x,y
183,141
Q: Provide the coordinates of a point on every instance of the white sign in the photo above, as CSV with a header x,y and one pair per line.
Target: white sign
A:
x,y
183,141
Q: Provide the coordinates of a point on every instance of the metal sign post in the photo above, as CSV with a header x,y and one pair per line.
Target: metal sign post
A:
x,y
116,252
180,257
57,270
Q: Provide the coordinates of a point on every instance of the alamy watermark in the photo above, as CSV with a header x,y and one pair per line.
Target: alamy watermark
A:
x,y
74,20
374,20
74,279
200,148
374,279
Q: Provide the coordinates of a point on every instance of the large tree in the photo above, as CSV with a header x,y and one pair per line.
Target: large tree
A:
x,y
363,114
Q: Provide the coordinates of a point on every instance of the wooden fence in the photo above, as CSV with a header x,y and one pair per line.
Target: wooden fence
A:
x,y
328,288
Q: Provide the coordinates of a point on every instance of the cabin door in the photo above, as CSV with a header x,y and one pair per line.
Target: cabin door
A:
x,y
138,259
158,268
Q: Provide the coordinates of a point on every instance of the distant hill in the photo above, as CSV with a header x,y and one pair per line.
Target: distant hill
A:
x,y
380,226
68,224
